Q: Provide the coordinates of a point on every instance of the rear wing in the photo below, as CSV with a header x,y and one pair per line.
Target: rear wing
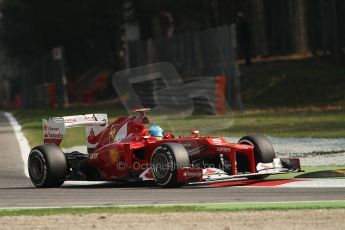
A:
x,y
54,128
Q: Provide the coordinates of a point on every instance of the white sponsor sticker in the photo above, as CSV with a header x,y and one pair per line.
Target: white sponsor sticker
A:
x,y
93,156
216,141
53,130
223,149
192,173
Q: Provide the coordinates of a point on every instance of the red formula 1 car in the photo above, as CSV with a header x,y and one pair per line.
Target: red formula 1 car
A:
x,y
124,151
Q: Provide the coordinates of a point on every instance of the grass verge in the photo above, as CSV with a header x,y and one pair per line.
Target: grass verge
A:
x,y
152,209
279,123
293,83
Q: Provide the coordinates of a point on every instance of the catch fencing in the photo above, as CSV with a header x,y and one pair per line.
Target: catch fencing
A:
x,y
209,54
195,55
41,83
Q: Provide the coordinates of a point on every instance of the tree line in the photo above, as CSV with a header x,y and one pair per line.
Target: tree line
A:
x,y
92,32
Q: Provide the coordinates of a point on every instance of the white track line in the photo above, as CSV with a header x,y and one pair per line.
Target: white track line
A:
x,y
22,141
316,183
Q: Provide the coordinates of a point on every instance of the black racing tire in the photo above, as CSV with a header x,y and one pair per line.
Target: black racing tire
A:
x,y
165,162
263,150
47,166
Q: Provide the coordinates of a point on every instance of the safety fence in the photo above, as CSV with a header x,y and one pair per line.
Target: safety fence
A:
x,y
195,55
44,95
41,82
198,57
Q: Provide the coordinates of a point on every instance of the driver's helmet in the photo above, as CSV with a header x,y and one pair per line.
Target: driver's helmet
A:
x,y
156,131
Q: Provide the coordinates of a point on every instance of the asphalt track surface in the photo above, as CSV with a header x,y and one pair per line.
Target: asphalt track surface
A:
x,y
16,189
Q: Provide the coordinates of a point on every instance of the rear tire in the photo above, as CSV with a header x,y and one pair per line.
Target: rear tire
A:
x,y
263,150
166,160
47,166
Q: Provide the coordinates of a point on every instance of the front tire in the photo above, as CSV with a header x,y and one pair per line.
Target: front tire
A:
x,y
47,166
263,150
165,162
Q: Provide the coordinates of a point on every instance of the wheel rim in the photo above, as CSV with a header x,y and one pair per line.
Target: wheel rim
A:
x,y
36,168
246,142
161,167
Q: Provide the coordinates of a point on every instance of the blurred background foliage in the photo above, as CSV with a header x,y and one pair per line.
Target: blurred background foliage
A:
x,y
93,34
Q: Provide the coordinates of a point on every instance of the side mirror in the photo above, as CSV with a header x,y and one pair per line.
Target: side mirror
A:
x,y
146,137
195,133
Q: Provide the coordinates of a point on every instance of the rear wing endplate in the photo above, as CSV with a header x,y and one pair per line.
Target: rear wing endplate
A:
x,y
54,128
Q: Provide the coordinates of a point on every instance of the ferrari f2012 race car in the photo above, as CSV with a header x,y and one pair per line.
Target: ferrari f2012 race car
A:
x,y
124,151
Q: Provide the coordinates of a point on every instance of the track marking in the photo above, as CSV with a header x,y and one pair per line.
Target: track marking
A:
x,y
317,183
22,141
258,183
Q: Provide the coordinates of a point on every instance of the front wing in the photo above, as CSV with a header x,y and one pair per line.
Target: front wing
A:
x,y
199,176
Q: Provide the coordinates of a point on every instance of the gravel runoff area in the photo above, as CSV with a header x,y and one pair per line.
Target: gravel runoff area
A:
x,y
292,219
311,151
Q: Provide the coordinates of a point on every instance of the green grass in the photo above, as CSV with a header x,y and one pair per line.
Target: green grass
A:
x,y
293,83
290,124
156,209
279,123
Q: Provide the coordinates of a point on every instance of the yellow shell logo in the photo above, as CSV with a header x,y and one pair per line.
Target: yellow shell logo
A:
x,y
340,171
114,155
112,134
